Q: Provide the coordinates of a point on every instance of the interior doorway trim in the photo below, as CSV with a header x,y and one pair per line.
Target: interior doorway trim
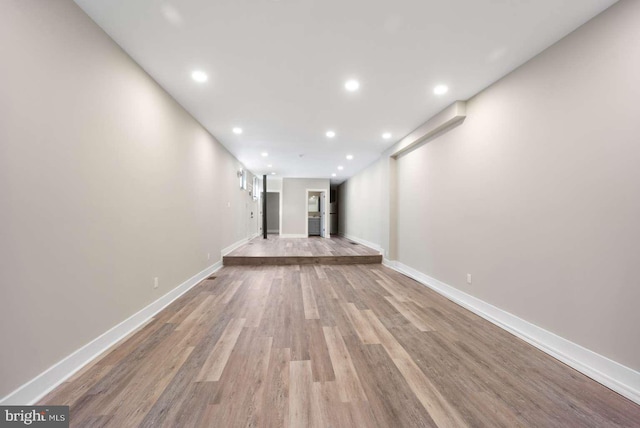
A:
x,y
323,213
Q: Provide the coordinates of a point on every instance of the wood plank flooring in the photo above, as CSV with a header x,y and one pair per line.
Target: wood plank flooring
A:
x,y
274,246
330,346
300,260
276,251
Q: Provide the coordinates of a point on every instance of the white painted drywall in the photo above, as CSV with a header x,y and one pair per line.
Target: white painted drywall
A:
x,y
294,203
274,184
537,193
361,204
105,183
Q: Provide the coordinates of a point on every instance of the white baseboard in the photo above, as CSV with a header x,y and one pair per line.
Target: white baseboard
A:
x,y
609,373
41,385
371,245
237,244
293,235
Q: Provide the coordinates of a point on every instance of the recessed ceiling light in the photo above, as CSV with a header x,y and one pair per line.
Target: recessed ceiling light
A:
x,y
334,174
330,134
265,154
273,173
199,76
440,89
237,131
352,85
269,166
349,157
386,135
340,167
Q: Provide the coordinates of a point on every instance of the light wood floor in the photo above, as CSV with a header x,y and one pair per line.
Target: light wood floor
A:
x,y
275,246
330,346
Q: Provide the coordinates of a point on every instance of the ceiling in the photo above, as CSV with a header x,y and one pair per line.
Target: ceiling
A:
x,y
277,68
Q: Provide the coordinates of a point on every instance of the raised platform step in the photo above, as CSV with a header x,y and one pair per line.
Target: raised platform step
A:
x,y
301,260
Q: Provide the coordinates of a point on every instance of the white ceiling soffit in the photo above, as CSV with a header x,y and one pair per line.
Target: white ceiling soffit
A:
x,y
277,68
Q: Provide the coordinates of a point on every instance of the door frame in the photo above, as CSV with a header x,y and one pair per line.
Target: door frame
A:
x,y
324,218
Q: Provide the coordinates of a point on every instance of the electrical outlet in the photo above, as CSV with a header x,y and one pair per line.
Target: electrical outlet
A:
x,y
228,204
208,256
468,278
155,282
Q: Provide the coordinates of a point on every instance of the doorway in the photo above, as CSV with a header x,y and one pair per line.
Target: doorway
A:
x,y
315,215
273,213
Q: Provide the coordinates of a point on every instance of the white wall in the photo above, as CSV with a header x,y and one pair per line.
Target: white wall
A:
x,y
366,192
274,184
536,193
253,209
294,204
105,183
